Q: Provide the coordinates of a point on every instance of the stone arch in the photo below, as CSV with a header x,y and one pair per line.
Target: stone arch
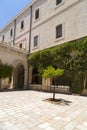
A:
x,y
16,62
36,76
19,76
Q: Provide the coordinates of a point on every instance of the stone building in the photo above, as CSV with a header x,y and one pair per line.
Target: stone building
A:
x,y
46,23
18,59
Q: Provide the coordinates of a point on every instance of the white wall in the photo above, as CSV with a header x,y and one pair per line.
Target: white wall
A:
x,y
6,32
71,13
22,36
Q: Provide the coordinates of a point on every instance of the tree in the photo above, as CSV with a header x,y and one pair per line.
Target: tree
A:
x,y
41,59
77,62
51,72
70,56
5,70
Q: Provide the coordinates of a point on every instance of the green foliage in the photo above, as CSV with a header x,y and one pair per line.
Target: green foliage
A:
x,y
5,70
77,86
77,89
34,59
41,59
71,56
51,72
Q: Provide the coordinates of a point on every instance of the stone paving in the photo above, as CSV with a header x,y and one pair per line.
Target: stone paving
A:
x,y
26,110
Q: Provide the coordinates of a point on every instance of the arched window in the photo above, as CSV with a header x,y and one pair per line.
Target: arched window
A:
x,y
36,77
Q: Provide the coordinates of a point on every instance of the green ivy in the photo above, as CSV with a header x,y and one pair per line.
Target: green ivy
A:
x,y
70,56
5,70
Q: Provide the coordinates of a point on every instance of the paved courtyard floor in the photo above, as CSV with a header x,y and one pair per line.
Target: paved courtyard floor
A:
x,y
26,110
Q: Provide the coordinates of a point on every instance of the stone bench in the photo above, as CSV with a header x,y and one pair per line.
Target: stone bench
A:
x,y
61,89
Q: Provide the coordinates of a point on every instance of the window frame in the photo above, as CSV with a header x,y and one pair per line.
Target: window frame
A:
x,y
22,25
37,16
58,3
20,45
57,31
11,32
3,37
63,32
35,20
35,43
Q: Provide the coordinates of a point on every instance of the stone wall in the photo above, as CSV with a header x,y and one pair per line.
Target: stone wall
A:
x,y
71,13
13,56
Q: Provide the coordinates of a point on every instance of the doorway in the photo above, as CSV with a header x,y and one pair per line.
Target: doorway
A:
x,y
20,77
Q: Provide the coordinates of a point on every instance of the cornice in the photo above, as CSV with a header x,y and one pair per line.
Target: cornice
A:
x,y
13,49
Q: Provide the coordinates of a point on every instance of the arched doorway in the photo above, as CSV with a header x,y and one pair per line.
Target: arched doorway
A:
x,y
20,76
36,76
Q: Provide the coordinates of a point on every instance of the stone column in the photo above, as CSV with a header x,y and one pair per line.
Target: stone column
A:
x,y
11,84
30,75
25,78
46,84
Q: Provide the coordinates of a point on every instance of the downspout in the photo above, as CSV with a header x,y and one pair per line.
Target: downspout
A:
x,y
14,34
30,28
14,31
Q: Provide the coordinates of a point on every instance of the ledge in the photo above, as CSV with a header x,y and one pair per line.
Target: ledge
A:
x,y
13,48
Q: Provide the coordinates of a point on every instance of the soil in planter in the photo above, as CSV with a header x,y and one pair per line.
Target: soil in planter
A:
x,y
58,101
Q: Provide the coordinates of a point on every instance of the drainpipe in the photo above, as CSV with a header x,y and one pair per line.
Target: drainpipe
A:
x,y
14,31
30,28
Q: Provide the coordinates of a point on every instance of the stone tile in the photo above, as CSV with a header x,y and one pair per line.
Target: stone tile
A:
x,y
46,126
81,127
84,124
28,111
76,129
70,126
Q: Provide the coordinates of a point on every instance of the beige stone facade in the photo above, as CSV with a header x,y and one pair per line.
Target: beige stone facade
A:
x,y
36,27
70,13
18,59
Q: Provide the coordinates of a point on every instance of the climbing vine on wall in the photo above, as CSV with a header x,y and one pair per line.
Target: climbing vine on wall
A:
x,y
71,56
5,70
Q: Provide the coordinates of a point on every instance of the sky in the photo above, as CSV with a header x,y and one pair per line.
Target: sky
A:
x,y
10,8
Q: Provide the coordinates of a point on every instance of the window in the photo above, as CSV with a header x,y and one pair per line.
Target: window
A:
x,y
58,2
20,46
3,37
37,14
35,41
22,24
11,32
59,31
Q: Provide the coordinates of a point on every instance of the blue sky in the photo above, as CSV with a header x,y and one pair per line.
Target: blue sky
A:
x,y
10,8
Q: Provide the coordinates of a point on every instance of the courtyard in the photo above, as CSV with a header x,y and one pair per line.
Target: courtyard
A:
x,y
27,110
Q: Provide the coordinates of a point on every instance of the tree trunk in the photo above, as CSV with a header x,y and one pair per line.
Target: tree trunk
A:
x,y
84,83
70,89
54,93
84,92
